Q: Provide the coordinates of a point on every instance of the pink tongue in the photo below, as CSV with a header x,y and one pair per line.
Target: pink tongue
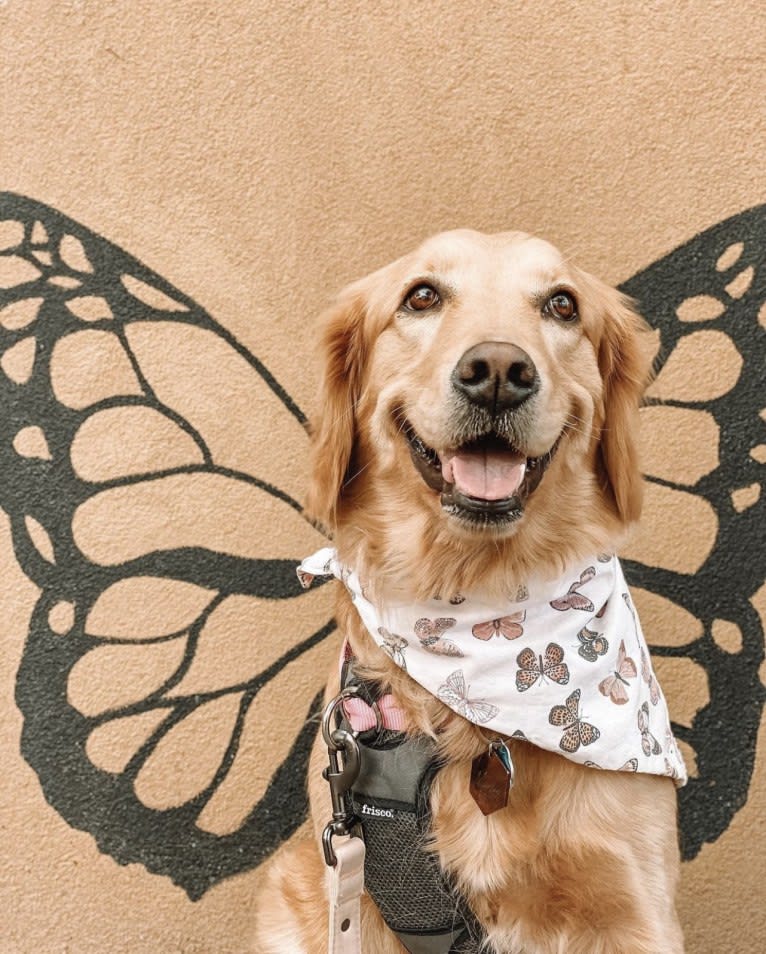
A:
x,y
488,475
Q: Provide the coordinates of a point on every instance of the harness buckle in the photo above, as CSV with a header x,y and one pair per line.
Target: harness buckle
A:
x,y
345,763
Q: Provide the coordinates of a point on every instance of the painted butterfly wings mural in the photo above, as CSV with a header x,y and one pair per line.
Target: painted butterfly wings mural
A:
x,y
142,489
697,567
142,482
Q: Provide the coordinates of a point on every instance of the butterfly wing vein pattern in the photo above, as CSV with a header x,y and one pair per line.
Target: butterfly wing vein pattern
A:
x,y
117,672
708,296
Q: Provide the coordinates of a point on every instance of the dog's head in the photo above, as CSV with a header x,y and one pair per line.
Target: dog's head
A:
x,y
480,387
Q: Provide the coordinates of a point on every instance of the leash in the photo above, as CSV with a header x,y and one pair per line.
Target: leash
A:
x,y
346,888
345,858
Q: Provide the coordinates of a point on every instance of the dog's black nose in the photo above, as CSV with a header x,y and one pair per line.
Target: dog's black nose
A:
x,y
496,375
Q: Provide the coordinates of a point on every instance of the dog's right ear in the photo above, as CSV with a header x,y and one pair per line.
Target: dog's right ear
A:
x,y
333,430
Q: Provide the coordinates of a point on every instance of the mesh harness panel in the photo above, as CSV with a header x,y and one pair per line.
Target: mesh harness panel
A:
x,y
402,876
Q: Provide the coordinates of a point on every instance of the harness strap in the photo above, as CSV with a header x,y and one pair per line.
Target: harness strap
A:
x,y
346,888
390,798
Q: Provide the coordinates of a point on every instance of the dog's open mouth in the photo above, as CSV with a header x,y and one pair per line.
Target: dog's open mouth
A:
x,y
484,481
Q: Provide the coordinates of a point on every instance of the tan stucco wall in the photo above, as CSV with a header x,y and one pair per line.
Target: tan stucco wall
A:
x,y
258,156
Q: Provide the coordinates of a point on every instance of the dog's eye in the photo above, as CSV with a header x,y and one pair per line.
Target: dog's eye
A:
x,y
562,306
421,297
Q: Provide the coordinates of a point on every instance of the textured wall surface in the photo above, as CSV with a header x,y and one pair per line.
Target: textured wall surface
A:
x,y
186,186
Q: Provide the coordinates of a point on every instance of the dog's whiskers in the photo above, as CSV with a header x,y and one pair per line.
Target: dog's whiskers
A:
x,y
349,412
574,424
353,477
397,412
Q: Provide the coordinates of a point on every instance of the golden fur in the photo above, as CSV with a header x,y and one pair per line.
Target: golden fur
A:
x,y
580,861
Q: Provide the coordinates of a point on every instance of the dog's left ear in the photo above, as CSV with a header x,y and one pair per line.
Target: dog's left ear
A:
x,y
625,361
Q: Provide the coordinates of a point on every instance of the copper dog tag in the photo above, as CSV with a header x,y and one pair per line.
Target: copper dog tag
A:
x,y
492,777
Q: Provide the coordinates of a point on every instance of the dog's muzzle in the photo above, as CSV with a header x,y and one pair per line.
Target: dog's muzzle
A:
x,y
485,479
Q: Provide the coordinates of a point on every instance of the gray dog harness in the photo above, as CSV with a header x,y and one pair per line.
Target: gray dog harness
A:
x,y
390,802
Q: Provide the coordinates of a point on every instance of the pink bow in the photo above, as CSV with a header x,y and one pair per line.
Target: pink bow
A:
x,y
362,717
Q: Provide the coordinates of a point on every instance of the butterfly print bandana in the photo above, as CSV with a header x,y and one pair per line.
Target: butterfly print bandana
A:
x,y
565,667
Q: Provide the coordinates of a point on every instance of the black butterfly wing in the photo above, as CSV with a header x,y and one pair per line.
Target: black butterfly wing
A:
x,y
137,595
707,298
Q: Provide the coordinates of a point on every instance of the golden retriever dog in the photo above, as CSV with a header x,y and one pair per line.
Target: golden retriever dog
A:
x,y
478,427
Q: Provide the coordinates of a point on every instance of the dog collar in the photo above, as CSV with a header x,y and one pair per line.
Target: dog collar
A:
x,y
562,664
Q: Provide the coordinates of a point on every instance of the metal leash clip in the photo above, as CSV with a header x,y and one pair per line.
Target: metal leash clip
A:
x,y
341,773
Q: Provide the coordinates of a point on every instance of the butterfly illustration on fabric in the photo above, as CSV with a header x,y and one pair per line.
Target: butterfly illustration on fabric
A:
x,y
629,603
454,694
508,626
574,599
534,667
576,731
455,600
615,687
345,576
630,766
305,578
671,746
649,744
647,674
196,425
671,750
393,646
429,632
592,644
